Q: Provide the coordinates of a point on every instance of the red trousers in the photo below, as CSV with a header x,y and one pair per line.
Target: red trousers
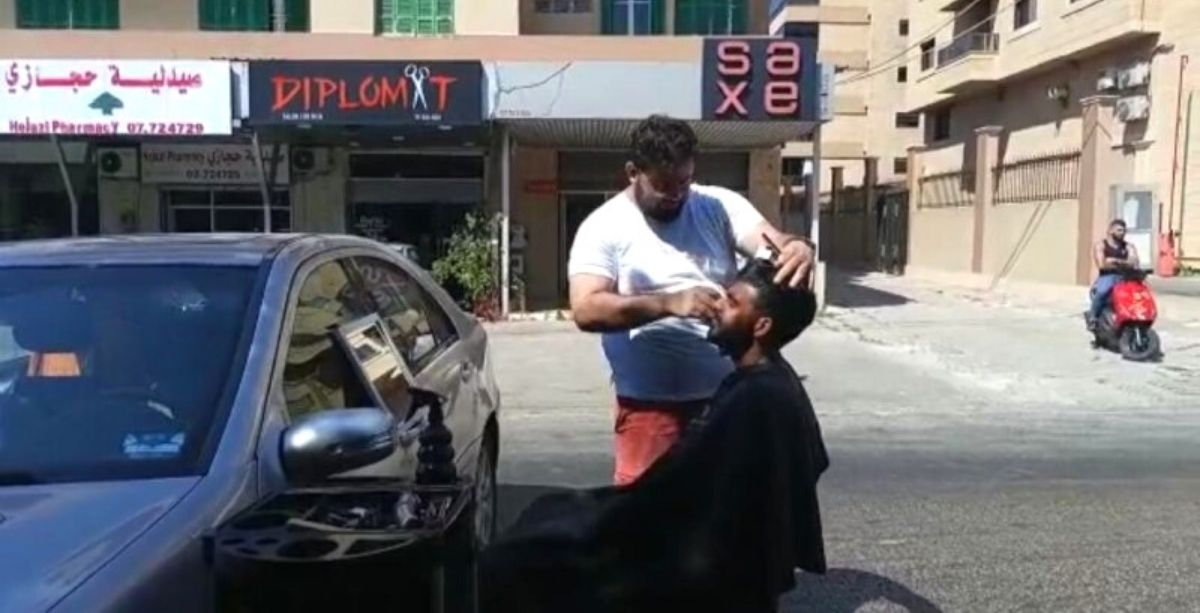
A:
x,y
645,430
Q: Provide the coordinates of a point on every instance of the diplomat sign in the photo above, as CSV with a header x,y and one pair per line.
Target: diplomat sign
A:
x,y
117,97
366,93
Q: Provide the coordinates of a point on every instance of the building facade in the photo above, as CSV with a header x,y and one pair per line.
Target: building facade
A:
x,y
866,143
1045,119
386,118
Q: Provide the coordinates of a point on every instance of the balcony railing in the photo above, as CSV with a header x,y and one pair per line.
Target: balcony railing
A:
x,y
975,42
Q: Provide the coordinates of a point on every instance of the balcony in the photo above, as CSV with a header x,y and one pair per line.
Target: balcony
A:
x,y
974,43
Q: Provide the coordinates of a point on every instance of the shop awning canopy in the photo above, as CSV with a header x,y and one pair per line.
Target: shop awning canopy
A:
x,y
614,133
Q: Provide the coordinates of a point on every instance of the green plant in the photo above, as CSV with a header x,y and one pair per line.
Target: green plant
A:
x,y
470,263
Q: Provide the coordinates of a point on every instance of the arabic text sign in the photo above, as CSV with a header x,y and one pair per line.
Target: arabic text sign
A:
x,y
209,164
99,97
366,92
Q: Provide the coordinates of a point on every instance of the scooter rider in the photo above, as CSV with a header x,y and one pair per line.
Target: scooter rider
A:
x,y
1112,256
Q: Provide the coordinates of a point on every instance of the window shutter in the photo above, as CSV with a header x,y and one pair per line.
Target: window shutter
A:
x,y
656,17
297,15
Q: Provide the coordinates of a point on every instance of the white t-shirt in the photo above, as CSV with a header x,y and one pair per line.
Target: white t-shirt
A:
x,y
670,359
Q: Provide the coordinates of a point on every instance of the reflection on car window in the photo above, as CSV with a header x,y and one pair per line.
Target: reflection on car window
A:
x,y
418,327
115,372
318,375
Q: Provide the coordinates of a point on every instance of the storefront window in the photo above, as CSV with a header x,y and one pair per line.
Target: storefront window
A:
x,y
69,14
34,202
415,17
202,210
632,17
250,15
710,17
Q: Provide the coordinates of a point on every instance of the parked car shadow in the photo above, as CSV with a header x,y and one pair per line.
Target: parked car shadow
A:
x,y
843,289
846,590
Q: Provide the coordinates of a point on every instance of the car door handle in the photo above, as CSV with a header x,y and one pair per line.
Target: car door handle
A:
x,y
466,370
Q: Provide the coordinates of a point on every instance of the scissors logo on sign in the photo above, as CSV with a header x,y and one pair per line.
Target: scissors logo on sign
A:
x,y
418,75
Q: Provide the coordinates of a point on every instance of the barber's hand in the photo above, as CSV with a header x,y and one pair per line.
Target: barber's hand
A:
x,y
795,264
696,303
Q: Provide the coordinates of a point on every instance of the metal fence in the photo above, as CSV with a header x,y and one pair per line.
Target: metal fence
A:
x,y
948,190
1039,179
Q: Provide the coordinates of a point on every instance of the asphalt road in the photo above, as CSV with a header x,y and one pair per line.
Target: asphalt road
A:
x,y
984,458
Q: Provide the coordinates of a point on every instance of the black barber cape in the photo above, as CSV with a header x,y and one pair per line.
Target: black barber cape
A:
x,y
719,523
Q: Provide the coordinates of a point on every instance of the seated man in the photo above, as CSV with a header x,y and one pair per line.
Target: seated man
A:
x,y
719,523
1112,256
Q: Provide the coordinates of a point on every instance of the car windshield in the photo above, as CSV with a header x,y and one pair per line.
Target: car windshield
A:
x,y
116,372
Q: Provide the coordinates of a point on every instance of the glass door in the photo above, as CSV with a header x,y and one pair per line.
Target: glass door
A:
x,y
204,210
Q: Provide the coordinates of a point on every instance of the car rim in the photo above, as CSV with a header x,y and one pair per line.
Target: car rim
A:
x,y
485,499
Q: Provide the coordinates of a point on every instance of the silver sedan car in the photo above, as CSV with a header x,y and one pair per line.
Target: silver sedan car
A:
x,y
147,385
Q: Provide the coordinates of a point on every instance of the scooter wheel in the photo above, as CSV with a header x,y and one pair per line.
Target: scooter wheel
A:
x,y
1139,344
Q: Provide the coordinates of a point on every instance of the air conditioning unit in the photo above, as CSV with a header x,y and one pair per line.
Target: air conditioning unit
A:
x,y
116,163
309,161
1133,76
1133,108
1107,81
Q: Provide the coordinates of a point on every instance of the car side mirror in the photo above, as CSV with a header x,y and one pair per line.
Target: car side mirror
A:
x,y
327,443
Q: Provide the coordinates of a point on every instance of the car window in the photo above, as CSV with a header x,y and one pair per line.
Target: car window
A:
x,y
317,374
418,326
117,372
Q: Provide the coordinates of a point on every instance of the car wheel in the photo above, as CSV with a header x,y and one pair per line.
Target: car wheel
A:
x,y
485,495
474,531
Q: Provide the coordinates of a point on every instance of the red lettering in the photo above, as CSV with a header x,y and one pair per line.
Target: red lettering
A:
x,y
781,98
443,90
344,103
368,93
733,58
326,88
783,59
392,93
286,90
732,98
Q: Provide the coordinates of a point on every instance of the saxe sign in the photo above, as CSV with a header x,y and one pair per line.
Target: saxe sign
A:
x,y
115,97
760,79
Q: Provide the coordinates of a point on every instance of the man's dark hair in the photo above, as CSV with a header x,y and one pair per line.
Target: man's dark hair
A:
x,y
1117,223
662,142
791,309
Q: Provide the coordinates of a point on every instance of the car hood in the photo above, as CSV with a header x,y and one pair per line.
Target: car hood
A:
x,y
53,537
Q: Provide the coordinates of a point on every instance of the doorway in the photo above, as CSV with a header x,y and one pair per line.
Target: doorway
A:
x,y
574,208
228,210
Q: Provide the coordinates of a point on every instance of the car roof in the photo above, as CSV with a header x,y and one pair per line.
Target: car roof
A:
x,y
194,249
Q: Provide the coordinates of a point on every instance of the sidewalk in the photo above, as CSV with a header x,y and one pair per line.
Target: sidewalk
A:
x,y
1178,299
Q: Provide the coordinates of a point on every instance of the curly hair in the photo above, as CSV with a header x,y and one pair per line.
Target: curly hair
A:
x,y
662,142
791,309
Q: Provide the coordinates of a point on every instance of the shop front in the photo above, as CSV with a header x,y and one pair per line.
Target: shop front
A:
x,y
71,132
568,127
402,144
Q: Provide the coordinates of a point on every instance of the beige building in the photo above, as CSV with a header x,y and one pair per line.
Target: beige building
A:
x,y
868,139
1043,120
564,81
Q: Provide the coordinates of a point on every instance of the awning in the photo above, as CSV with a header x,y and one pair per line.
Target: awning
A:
x,y
614,133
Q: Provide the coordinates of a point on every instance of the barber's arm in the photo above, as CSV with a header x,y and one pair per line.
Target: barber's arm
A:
x,y
753,232
597,307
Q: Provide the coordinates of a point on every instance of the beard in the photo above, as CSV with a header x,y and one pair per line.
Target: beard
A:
x,y
731,343
658,210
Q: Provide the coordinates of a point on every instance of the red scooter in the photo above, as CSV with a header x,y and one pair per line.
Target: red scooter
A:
x,y
1127,323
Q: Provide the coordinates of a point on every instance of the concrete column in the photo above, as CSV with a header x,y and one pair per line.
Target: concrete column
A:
x,y
916,170
987,148
870,232
1098,162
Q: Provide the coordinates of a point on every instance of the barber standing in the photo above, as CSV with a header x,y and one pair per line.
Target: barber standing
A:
x,y
647,269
